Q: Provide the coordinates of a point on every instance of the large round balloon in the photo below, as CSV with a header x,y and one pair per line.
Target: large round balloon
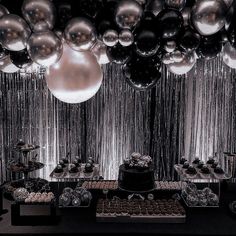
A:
x,y
76,77
183,66
190,40
128,14
208,16
7,66
229,55
100,51
176,4
80,34
170,23
45,48
14,32
40,15
142,73
21,59
3,11
119,54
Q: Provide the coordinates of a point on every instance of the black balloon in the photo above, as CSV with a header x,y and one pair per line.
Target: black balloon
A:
x,y
231,32
209,48
142,73
170,23
119,54
90,7
21,59
190,40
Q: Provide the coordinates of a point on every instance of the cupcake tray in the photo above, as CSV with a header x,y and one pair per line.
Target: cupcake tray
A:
x,y
81,174
199,175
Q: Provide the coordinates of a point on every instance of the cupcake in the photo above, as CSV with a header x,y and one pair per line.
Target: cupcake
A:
x,y
88,168
214,165
76,162
58,169
205,170
219,170
73,169
65,160
196,161
210,161
191,170
186,165
182,161
61,162
200,164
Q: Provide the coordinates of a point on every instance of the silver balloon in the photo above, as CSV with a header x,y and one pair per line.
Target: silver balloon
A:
x,y
14,32
110,38
128,14
184,65
7,66
126,38
229,55
40,15
208,16
170,46
3,11
186,13
76,77
44,48
80,34
100,51
177,56
177,4
155,6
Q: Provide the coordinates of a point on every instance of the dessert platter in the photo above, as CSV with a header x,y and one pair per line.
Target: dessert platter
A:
x,y
139,210
101,184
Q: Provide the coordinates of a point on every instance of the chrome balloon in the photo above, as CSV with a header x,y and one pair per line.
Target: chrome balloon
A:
x,y
3,11
128,14
170,46
155,7
110,38
229,55
177,4
126,38
14,32
80,34
76,77
45,48
184,65
7,66
40,15
209,16
100,51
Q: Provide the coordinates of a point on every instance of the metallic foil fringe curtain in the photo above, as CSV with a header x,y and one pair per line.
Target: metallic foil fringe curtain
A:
x,y
192,115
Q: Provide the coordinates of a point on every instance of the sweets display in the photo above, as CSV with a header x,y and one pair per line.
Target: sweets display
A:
x,y
101,184
137,173
123,210
40,197
169,185
21,167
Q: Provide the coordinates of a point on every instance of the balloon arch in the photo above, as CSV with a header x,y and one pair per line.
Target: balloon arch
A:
x,y
140,35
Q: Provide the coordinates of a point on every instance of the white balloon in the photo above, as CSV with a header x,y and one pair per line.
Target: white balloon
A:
x,y
7,66
76,77
229,55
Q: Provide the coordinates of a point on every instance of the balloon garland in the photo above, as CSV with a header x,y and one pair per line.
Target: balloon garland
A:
x,y
140,35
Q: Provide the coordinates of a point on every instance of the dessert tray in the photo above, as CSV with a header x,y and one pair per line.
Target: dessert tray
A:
x,y
27,148
101,184
81,174
20,167
137,210
199,175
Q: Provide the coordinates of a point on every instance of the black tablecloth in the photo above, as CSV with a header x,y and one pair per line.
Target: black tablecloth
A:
x,y
199,221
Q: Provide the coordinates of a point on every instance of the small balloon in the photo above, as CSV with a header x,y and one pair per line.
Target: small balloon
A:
x,y
183,66
76,77
21,59
229,55
155,6
80,34
100,51
40,15
177,56
7,66
208,16
110,38
3,11
119,54
128,14
176,4
190,40
170,46
14,32
45,48
186,14
126,38
170,23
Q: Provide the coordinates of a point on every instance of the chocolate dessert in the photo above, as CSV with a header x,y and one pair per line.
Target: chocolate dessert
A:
x,y
88,168
219,170
210,161
58,169
73,169
205,170
196,161
200,165
191,170
61,162
182,161
186,165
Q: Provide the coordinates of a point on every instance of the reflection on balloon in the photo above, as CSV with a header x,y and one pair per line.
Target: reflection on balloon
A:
x,y
76,77
128,13
208,16
190,40
177,4
3,11
184,65
7,66
40,15
14,32
126,38
21,59
100,51
110,38
170,46
45,48
229,55
80,34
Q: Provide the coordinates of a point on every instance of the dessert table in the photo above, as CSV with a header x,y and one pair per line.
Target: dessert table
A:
x,y
199,221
